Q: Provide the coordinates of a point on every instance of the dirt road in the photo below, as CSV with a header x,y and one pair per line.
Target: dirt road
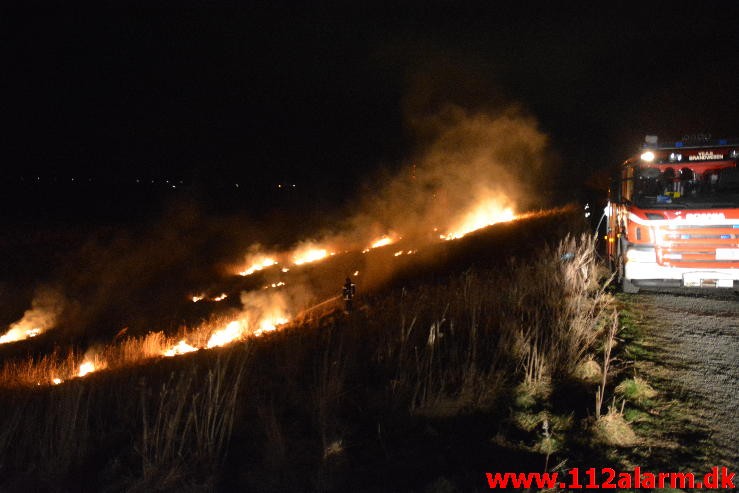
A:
x,y
694,339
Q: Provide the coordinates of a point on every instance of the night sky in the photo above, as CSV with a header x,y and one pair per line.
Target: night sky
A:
x,y
320,96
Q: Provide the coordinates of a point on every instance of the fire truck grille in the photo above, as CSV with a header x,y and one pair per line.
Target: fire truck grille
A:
x,y
695,246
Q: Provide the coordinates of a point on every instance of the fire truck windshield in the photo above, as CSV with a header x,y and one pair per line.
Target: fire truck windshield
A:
x,y
674,187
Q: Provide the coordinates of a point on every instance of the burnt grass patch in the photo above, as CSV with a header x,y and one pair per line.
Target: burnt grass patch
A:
x,y
457,365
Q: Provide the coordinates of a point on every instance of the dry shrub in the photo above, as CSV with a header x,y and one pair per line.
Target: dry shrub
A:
x,y
47,433
588,371
442,355
275,443
186,426
39,371
328,390
181,438
136,349
458,343
561,309
613,430
128,351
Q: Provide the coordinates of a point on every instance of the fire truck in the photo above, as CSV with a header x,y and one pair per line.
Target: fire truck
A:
x,y
673,216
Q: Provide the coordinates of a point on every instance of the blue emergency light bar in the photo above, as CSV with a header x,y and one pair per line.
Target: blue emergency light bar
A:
x,y
651,143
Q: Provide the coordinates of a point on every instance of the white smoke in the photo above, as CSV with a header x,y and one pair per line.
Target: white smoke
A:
x,y
46,307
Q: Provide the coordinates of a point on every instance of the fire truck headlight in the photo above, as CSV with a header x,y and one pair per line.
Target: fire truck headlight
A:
x,y
647,156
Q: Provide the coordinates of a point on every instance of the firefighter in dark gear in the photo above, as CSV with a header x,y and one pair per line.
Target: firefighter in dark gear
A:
x,y
348,292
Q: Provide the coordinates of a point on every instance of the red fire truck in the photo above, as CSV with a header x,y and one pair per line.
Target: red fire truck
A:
x,y
673,216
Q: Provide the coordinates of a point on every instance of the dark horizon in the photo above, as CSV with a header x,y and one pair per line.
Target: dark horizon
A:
x,y
324,97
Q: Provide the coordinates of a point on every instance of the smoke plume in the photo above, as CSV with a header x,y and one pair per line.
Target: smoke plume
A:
x,y
470,159
46,307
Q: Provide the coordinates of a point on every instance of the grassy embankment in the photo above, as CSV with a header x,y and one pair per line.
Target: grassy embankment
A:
x,y
435,380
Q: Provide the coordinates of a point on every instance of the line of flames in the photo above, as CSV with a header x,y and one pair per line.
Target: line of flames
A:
x,y
483,215
19,332
233,331
306,253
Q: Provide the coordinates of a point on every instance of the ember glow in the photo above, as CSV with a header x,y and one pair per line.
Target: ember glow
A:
x,y
18,332
85,368
381,242
484,214
200,297
404,252
257,263
385,240
309,254
231,332
46,307
270,324
182,347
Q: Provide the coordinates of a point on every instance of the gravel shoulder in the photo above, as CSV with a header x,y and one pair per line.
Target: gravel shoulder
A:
x,y
691,339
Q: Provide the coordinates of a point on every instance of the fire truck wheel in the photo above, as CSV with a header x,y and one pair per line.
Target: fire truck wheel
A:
x,y
628,286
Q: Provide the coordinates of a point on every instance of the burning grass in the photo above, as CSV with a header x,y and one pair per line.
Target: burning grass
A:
x,y
382,241
46,307
341,390
486,213
492,209
175,434
263,313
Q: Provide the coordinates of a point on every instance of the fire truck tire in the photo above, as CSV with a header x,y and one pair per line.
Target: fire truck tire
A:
x,y
628,286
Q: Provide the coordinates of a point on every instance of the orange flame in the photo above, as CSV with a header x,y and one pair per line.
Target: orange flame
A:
x,y
309,254
270,324
231,332
485,214
182,347
258,263
381,242
85,368
385,240
18,332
